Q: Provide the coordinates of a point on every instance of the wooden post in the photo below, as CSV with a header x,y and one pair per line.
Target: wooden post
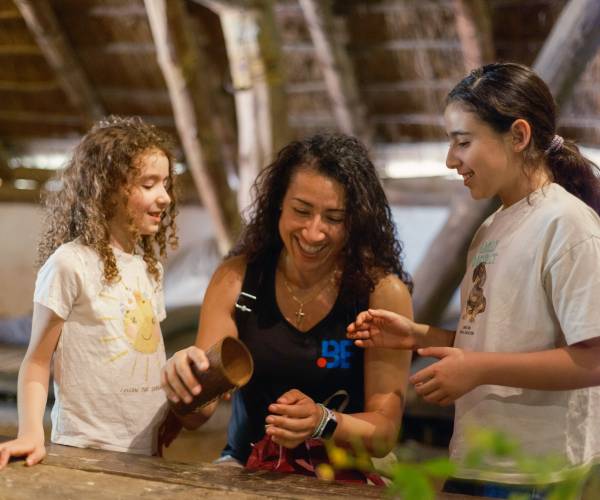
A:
x,y
251,39
474,29
184,70
59,54
573,41
340,78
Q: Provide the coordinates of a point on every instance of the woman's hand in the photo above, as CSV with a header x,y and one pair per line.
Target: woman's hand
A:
x,y
31,448
293,419
380,328
177,378
446,380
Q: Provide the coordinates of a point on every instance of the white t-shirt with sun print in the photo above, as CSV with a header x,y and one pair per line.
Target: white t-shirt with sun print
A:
x,y
110,352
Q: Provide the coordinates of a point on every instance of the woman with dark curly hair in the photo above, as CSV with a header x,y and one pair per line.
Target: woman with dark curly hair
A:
x,y
98,297
320,245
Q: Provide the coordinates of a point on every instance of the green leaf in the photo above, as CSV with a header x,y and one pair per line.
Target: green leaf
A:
x,y
439,467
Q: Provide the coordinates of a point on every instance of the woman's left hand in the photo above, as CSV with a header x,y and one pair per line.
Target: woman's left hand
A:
x,y
293,418
449,378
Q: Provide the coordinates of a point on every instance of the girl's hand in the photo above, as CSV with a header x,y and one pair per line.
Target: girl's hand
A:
x,y
293,419
446,380
380,328
32,449
177,378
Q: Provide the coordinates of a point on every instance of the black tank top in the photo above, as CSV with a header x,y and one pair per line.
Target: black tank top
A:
x,y
319,362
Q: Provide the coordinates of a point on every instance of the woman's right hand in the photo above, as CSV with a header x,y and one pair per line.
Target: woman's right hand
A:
x,y
177,378
380,328
31,448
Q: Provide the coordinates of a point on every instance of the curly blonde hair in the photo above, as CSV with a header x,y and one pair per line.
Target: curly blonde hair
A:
x,y
104,166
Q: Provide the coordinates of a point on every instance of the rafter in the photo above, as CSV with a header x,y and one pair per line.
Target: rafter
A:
x,y
340,78
251,39
46,29
474,29
573,42
184,68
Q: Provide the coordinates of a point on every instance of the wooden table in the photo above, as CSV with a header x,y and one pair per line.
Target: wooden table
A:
x,y
73,473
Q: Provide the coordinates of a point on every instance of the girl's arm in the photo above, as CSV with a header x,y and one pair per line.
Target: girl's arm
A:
x,y
216,321
458,371
294,416
33,388
383,328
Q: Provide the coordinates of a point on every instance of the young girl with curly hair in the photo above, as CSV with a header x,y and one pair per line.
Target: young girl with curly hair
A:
x,y
98,298
524,358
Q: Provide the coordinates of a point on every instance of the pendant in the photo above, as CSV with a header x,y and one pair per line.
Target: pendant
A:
x,y
300,315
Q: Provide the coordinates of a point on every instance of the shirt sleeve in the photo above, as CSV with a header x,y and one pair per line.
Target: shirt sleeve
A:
x,y
573,281
59,282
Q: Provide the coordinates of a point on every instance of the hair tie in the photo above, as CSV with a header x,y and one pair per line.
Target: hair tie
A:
x,y
555,145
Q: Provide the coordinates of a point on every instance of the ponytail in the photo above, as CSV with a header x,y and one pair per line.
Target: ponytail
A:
x,y
578,175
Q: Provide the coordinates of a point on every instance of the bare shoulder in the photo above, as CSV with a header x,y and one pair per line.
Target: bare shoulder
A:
x,y
392,294
230,272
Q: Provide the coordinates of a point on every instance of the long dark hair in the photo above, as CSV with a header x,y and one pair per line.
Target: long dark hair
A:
x,y
501,93
372,248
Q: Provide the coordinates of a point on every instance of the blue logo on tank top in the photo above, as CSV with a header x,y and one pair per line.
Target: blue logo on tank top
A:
x,y
335,354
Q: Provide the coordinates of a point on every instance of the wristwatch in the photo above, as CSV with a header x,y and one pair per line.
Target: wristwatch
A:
x,y
330,424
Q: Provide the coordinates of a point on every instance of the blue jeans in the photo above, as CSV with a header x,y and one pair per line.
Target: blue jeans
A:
x,y
494,490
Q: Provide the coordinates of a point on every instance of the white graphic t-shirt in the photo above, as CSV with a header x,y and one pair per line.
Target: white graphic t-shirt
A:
x,y
532,283
108,359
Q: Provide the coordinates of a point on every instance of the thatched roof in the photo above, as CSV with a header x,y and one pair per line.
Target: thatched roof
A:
x,y
81,59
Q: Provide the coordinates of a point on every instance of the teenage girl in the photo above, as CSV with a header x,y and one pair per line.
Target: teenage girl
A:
x,y
525,357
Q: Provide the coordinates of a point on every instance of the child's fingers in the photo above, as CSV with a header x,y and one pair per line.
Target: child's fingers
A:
x,y
360,334
36,456
383,314
4,457
362,318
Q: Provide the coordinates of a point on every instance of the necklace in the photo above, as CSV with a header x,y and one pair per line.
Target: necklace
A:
x,y
300,314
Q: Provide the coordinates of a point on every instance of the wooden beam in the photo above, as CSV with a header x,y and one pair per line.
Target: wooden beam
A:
x,y
6,173
20,86
46,29
252,42
474,29
184,69
348,108
10,194
573,42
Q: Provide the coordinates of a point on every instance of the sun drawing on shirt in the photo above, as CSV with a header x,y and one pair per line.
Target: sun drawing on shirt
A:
x,y
140,329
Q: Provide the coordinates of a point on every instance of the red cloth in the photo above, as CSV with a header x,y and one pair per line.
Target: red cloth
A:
x,y
268,455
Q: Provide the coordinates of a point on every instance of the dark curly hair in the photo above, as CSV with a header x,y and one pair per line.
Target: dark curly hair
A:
x,y
103,167
501,93
372,249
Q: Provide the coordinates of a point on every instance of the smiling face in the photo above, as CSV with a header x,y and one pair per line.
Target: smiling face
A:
x,y
149,197
483,157
312,222
147,201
